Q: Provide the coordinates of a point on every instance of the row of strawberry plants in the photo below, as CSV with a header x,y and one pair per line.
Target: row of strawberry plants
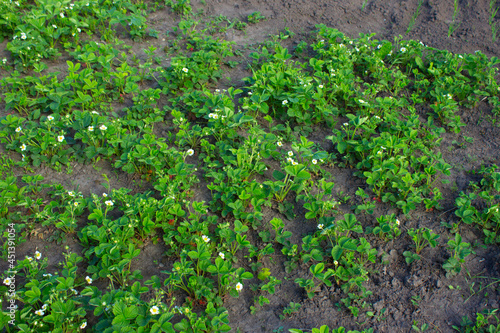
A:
x,y
36,31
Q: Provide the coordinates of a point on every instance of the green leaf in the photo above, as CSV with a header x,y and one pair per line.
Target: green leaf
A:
x,y
193,254
303,174
337,252
317,269
130,312
264,274
420,63
181,326
278,175
241,118
118,308
324,329
33,294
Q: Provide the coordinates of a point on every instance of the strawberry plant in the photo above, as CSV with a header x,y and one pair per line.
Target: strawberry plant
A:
x,y
487,219
422,237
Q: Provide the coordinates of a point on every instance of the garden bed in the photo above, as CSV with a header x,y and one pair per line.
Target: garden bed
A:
x,y
259,166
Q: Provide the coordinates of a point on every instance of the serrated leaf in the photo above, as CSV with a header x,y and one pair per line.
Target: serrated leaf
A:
x,y
278,175
337,252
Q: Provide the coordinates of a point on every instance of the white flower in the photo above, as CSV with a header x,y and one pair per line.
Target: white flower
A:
x,y
50,118
290,153
206,239
403,49
190,152
95,112
54,26
60,138
38,255
7,281
71,193
4,60
217,90
44,307
336,263
83,325
40,312
320,226
239,286
346,124
23,147
397,222
294,163
18,129
61,14
76,204
23,35
74,291
103,127
105,195
250,93
320,86
154,310
221,255
216,116
78,29
314,161
88,279
362,101
284,102
109,203
279,144
185,70
29,258
289,160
